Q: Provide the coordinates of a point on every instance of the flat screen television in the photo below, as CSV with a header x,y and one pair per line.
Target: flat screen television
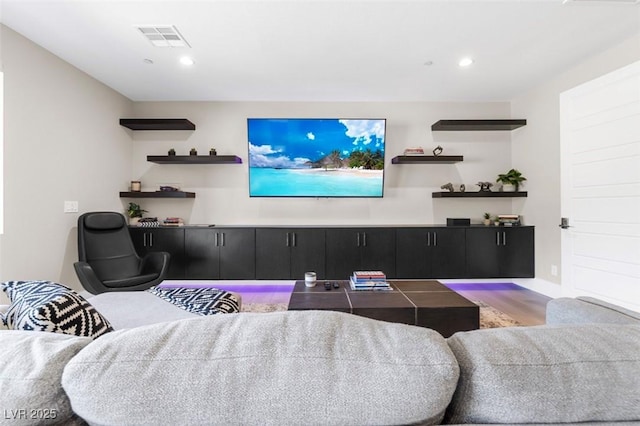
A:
x,y
316,157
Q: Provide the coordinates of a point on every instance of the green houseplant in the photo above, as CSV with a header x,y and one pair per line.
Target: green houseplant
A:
x,y
135,212
511,180
487,219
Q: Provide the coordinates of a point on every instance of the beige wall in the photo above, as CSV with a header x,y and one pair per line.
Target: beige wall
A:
x,y
222,190
536,152
62,142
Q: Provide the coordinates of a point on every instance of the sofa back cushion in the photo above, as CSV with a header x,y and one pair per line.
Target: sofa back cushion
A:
x,y
308,367
31,368
547,374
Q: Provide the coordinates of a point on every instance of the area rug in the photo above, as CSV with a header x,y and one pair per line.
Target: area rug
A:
x,y
490,317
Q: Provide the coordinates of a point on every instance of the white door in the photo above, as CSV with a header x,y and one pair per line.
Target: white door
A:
x,y
600,172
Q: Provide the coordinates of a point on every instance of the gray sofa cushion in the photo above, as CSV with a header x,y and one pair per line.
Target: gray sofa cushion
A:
x,y
588,310
128,309
30,372
547,374
280,368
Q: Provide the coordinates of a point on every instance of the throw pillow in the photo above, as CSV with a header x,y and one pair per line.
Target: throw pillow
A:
x,y
49,306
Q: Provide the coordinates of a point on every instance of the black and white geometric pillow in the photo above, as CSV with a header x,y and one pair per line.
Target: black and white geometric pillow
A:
x,y
49,306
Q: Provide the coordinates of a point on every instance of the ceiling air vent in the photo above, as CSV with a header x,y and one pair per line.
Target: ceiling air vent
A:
x,y
163,35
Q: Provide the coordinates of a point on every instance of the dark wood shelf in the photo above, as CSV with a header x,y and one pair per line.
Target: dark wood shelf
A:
x,y
478,194
426,159
467,125
194,159
158,194
157,124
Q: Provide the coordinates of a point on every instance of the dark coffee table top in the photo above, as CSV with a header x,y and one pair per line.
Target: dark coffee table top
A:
x,y
426,303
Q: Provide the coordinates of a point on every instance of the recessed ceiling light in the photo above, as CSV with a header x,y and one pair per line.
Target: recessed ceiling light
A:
x,y
185,60
465,62
148,61
428,63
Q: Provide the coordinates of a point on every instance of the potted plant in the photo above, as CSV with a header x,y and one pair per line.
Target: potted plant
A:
x,y
135,212
496,221
511,180
487,219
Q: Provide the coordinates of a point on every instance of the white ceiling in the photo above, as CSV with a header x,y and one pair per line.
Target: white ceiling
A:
x,y
322,50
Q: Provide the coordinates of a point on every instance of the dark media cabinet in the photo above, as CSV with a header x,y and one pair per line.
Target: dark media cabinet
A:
x,y
282,253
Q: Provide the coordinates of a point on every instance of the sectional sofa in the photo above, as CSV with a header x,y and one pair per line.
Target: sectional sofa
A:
x,y
313,367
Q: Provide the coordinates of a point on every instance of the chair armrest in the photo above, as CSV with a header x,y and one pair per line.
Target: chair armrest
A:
x,y
588,310
88,278
155,262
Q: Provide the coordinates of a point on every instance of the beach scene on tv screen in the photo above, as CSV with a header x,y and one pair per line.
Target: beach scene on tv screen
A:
x,y
316,157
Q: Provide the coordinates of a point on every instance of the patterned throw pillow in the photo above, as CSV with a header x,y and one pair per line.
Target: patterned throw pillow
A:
x,y
48,306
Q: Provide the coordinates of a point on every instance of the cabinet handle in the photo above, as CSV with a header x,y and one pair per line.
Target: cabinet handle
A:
x,y
358,239
497,238
504,238
435,239
294,238
215,239
150,239
364,239
287,241
222,239
144,239
428,239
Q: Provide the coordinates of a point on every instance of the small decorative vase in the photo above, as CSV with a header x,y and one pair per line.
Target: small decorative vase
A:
x,y
507,187
487,222
193,152
212,151
172,152
134,221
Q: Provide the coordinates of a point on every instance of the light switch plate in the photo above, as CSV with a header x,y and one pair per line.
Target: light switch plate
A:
x,y
71,207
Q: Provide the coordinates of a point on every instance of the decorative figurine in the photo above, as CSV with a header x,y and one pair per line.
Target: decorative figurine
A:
x,y
485,186
193,152
448,186
212,151
437,150
463,188
172,152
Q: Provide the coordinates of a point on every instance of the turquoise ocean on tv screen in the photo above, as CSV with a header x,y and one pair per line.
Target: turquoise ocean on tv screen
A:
x,y
268,182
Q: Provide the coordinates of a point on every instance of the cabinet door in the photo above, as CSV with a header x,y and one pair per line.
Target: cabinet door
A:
x,y
273,254
378,250
483,252
342,252
307,253
237,253
171,240
447,253
518,247
412,259
202,254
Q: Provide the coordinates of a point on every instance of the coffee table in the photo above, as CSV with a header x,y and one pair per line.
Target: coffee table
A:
x,y
423,303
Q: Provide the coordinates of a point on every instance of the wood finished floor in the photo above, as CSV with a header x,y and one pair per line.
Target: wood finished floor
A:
x,y
525,306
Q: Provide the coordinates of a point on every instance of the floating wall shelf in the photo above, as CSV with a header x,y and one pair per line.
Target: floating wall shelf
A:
x,y
194,159
426,159
158,194
157,124
478,194
467,125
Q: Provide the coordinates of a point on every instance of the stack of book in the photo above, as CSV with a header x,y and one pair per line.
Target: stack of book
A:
x,y
414,151
509,219
173,221
369,280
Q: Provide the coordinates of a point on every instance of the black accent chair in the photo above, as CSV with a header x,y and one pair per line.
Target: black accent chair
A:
x,y
108,260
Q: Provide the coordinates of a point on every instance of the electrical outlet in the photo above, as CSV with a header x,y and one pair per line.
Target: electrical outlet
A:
x,y
554,270
71,207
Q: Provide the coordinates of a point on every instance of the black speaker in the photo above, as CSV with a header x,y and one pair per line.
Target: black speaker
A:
x,y
458,222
